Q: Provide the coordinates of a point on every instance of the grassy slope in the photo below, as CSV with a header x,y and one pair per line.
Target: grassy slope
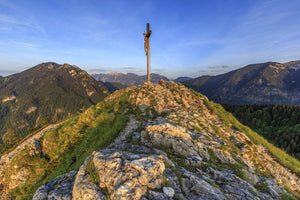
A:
x,y
66,148
279,154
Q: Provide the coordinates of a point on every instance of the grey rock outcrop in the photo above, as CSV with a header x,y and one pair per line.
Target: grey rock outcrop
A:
x,y
59,189
127,175
169,191
176,138
84,188
155,195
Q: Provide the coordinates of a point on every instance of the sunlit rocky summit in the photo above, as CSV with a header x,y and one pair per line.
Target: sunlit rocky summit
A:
x,y
165,142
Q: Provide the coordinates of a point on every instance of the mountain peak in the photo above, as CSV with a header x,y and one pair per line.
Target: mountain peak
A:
x,y
45,65
54,66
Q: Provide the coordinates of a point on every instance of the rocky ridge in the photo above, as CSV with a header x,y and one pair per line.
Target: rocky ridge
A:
x,y
174,146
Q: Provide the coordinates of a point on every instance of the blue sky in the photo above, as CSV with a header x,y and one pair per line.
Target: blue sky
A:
x,y
189,37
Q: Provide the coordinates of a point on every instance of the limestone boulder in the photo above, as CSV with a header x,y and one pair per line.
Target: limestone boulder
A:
x,y
59,189
127,175
175,138
84,188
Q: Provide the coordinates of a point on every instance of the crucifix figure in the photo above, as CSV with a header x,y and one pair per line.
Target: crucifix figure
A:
x,y
147,50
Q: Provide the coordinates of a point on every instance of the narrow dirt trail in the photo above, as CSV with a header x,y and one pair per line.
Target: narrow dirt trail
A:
x,y
6,159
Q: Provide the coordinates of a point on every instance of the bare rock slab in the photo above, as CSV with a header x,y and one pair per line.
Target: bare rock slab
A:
x,y
84,188
127,175
59,189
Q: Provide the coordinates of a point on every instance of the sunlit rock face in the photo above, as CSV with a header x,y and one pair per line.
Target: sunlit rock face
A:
x,y
60,188
127,175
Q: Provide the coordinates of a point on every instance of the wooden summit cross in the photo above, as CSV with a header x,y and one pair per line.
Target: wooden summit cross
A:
x,y
147,50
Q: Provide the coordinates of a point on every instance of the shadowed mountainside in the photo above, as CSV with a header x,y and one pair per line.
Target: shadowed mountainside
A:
x,y
262,83
45,93
113,86
181,79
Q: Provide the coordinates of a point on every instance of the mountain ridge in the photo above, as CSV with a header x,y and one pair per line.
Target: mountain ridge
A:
x,y
171,142
262,83
128,79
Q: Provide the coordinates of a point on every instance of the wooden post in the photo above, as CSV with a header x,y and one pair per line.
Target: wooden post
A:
x,y
147,50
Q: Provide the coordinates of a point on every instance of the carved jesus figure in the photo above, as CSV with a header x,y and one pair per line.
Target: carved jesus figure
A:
x,y
146,46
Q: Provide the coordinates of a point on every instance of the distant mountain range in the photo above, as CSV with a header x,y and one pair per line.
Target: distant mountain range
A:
x,y
262,83
115,80
129,79
46,92
181,79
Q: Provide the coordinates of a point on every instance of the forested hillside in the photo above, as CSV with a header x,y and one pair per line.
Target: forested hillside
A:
x,y
280,124
43,94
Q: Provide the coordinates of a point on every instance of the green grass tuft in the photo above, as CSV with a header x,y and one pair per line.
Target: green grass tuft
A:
x,y
262,187
92,173
287,197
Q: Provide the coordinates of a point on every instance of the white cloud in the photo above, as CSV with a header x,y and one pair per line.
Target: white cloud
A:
x,y
26,45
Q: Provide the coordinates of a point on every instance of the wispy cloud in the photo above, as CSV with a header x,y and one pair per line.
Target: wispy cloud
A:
x,y
97,70
8,22
158,69
27,45
130,68
218,67
8,4
95,20
115,69
5,19
16,17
